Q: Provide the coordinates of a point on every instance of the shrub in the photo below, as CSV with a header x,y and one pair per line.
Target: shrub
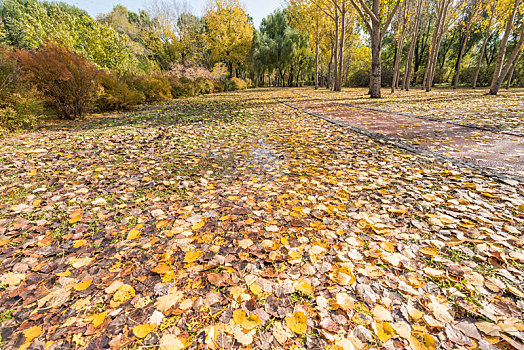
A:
x,y
117,95
67,80
218,86
204,86
182,87
235,84
19,104
154,87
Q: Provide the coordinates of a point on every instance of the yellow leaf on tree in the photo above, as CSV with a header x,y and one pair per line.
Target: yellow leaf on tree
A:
x,y
32,333
193,256
99,318
80,286
142,330
297,322
303,285
134,233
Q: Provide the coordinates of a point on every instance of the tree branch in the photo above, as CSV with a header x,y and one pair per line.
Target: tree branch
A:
x,y
390,18
368,26
368,11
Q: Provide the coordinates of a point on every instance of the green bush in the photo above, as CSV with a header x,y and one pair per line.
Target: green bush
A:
x,y
117,95
154,87
235,84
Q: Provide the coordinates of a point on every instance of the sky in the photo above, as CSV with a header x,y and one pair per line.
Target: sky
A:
x,y
257,9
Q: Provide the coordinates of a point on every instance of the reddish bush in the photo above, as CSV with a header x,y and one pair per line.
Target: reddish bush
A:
x,y
68,81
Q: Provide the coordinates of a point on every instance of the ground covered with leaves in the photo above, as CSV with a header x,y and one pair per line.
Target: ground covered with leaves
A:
x,y
467,106
232,221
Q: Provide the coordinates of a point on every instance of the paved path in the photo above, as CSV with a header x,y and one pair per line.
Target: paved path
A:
x,y
493,150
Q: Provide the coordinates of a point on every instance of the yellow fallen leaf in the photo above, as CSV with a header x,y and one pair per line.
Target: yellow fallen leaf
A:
x,y
80,286
32,333
383,330
420,341
75,216
198,225
429,251
342,276
303,285
251,322
193,256
255,289
99,318
79,243
64,274
142,330
133,234
124,293
297,322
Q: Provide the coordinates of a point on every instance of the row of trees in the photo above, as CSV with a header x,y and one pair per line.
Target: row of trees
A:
x,y
421,41
331,43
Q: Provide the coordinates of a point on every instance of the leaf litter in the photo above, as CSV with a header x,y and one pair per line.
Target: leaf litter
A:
x,y
230,221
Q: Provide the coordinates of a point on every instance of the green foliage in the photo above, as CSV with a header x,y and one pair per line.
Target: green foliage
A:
x,y
117,95
31,24
67,80
155,88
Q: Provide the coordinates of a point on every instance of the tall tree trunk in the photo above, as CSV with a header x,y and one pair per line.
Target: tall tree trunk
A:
x,y
439,34
484,42
335,52
512,71
516,51
396,67
433,45
376,64
411,52
330,66
316,56
338,81
461,55
502,48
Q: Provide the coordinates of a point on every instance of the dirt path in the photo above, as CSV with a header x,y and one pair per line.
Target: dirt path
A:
x,y
493,150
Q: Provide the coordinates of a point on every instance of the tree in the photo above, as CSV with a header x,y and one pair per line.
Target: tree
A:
x,y
474,8
68,80
490,14
500,72
30,24
228,33
376,21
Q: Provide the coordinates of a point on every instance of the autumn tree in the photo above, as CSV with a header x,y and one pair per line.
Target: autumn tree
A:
x,y
229,33
486,25
376,20
501,68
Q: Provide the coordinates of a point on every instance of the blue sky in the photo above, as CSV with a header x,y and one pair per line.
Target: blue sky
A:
x,y
257,9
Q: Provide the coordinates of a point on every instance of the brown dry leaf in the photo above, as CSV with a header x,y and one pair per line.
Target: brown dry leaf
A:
x,y
171,342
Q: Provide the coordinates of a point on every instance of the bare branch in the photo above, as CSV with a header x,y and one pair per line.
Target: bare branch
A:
x,y
390,17
359,10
